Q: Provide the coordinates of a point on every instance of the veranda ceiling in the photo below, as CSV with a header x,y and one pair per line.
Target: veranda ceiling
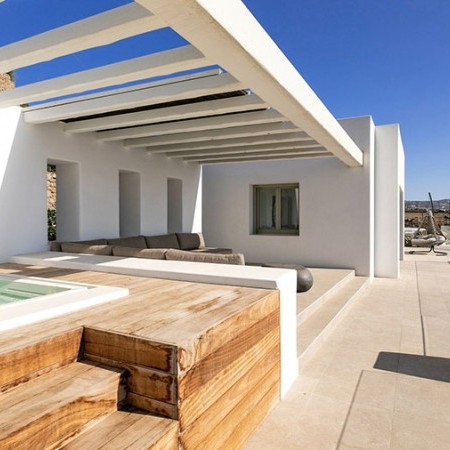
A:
x,y
256,106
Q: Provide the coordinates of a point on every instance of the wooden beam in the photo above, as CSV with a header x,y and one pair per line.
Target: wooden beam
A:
x,y
231,152
269,157
207,138
236,142
101,29
172,113
207,123
208,82
309,145
233,38
157,64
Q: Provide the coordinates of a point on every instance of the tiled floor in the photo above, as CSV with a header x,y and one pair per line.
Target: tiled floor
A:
x,y
382,379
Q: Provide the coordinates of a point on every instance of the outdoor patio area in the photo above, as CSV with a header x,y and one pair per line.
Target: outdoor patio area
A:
x,y
195,251
374,358
381,380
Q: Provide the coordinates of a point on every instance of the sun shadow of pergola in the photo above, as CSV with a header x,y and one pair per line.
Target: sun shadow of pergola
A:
x,y
430,367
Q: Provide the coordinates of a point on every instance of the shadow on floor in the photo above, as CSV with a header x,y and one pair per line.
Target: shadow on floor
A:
x,y
421,366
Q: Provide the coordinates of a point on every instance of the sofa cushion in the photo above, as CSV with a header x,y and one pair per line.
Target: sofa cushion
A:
x,y
132,252
75,247
132,241
183,255
224,251
162,241
55,246
93,242
188,241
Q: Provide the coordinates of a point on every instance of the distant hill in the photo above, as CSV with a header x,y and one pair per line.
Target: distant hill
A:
x,y
443,205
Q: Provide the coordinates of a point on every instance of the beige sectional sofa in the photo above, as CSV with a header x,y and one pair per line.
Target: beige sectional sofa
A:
x,y
175,247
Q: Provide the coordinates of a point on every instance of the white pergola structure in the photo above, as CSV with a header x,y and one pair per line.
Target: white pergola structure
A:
x,y
255,106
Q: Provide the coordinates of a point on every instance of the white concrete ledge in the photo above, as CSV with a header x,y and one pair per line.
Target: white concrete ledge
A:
x,y
285,281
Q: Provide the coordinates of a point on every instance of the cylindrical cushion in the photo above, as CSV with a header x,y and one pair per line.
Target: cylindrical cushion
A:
x,y
214,258
131,252
305,279
224,251
72,247
55,246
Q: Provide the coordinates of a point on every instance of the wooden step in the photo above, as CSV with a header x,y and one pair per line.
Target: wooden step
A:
x,y
133,430
21,364
46,411
313,331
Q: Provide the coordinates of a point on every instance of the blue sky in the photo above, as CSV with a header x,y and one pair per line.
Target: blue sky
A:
x,y
385,58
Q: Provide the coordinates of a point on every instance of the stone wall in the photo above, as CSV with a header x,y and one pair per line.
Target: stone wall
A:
x,y
51,190
6,82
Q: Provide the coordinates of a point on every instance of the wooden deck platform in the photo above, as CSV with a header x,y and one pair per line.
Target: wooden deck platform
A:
x,y
206,356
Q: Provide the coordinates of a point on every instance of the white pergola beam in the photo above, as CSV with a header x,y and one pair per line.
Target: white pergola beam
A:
x,y
157,64
209,82
101,29
228,33
256,146
238,142
240,149
125,90
194,125
226,133
181,112
263,156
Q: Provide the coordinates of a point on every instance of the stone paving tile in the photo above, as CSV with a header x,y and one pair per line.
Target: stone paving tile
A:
x,y
318,426
411,340
437,336
376,390
367,428
423,397
370,386
412,432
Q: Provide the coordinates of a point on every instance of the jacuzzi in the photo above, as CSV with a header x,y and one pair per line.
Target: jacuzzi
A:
x,y
25,300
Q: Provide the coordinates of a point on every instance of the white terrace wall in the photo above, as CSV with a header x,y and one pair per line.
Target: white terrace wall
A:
x,y
389,201
336,208
24,153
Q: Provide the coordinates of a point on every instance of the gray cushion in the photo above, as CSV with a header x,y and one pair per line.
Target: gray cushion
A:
x,y
162,241
305,279
182,255
132,241
132,252
93,242
224,251
55,246
74,247
188,241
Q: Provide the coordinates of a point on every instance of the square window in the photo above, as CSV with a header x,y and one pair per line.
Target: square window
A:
x,y
276,209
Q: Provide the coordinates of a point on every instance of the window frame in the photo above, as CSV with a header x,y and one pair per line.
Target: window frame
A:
x,y
277,187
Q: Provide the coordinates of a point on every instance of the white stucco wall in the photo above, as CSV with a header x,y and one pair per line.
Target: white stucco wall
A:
x,y
24,152
336,208
389,182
